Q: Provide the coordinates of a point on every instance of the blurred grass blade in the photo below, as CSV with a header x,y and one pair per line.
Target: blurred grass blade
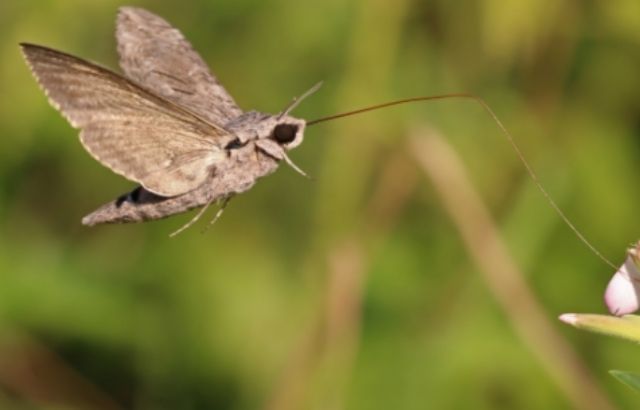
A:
x,y
483,241
628,378
626,327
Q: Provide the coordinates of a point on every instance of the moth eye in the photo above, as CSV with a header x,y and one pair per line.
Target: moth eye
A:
x,y
285,133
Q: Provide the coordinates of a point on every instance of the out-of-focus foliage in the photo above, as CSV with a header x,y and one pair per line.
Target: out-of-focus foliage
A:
x,y
630,379
353,290
626,327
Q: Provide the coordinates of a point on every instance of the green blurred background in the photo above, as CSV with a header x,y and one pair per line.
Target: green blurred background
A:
x,y
353,290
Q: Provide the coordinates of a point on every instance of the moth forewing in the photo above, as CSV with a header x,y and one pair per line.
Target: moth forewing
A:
x,y
137,134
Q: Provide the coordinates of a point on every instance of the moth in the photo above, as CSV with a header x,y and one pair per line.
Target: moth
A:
x,y
167,124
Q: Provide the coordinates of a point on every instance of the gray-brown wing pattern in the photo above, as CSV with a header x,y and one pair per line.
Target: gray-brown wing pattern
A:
x,y
138,135
158,57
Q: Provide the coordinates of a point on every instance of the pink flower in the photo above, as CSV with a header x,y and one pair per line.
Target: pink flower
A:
x,y
623,291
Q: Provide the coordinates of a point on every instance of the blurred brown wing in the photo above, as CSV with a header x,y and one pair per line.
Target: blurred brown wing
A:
x,y
158,57
138,135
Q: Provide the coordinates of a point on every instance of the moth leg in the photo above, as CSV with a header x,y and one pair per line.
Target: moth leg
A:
x,y
223,205
193,220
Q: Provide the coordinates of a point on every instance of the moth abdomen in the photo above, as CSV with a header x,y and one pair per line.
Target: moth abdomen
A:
x,y
141,205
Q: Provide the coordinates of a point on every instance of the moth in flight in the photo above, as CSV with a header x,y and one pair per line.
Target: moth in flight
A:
x,y
166,124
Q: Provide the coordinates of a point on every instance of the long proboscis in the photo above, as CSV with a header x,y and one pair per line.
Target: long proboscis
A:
x,y
504,131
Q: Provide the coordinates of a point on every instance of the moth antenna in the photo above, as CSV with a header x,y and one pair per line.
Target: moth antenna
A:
x,y
504,131
297,100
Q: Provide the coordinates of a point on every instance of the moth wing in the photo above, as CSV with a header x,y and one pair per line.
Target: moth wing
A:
x,y
136,134
157,56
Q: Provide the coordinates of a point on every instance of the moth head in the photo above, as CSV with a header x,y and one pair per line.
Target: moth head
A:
x,y
288,132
